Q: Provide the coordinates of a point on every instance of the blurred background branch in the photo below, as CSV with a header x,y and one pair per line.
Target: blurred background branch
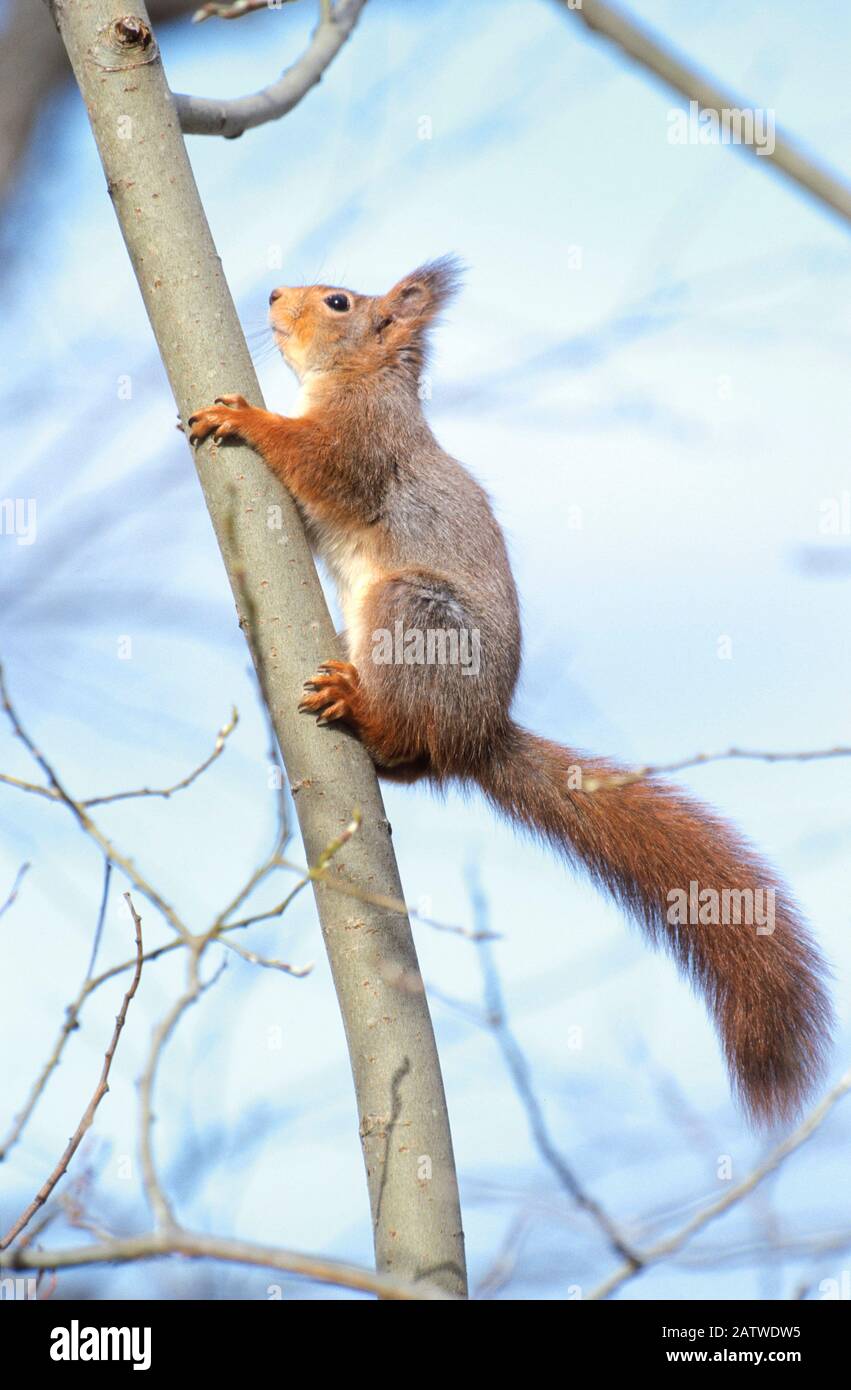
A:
x,y
215,116
33,62
683,76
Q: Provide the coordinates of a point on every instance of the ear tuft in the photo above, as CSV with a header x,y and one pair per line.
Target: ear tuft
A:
x,y
423,293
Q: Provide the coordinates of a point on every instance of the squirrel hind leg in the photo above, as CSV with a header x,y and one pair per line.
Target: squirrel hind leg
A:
x,y
335,694
426,699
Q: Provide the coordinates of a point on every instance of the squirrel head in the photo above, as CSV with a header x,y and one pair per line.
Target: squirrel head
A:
x,y
323,330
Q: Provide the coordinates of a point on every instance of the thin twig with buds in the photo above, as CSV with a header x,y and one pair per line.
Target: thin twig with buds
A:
x,y
100,1091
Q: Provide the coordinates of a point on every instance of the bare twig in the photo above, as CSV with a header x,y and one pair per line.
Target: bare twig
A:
x,y
811,1245
52,794
522,1078
83,818
34,788
72,1204
176,1241
218,748
36,1228
639,44
501,1269
219,929
20,1120
282,831
91,983
671,1244
70,1023
319,874
14,890
104,899
217,116
100,1091
157,1200
353,890
253,958
234,9
638,774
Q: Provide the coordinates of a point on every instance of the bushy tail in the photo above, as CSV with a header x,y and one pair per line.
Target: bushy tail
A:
x,y
657,852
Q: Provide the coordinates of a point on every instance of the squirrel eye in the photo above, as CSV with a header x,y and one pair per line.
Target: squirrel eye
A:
x,y
339,302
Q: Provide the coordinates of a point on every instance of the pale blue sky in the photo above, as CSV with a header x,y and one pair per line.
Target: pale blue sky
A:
x,y
684,388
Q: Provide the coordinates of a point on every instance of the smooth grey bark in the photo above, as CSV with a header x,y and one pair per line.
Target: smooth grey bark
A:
x,y
403,1119
230,117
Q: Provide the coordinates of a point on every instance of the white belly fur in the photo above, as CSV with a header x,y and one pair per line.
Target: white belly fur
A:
x,y
352,564
349,559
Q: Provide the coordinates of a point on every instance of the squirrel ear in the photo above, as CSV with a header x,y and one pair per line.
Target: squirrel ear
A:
x,y
423,293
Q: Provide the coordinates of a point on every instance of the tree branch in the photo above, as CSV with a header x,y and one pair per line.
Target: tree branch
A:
x,y
216,116
416,1218
639,44
176,1241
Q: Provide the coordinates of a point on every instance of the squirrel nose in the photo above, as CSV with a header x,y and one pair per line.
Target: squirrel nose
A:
x,y
276,294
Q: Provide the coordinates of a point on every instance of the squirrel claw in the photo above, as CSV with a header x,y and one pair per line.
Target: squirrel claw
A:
x,y
216,420
330,693
338,710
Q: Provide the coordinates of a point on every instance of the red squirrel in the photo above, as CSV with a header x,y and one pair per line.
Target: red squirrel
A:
x,y
414,548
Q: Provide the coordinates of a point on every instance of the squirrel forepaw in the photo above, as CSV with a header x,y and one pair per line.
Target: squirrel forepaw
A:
x,y
220,420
